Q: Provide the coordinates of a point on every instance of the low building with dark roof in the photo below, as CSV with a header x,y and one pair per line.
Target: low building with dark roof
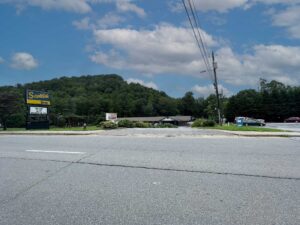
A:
x,y
176,120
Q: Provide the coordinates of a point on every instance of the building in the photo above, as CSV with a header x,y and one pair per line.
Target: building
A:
x,y
176,120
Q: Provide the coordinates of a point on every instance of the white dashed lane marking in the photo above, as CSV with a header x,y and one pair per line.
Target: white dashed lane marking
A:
x,y
57,152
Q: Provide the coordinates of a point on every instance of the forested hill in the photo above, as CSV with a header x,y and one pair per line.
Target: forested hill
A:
x,y
92,96
88,98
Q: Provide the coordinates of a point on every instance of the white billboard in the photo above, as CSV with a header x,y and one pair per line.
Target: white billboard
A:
x,y
38,110
111,116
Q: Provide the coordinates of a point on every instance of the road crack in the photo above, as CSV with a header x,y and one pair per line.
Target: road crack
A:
x,y
158,168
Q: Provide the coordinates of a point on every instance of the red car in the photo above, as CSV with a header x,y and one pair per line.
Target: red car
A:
x,y
292,120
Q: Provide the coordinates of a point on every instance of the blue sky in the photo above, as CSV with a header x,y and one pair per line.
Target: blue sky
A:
x,y
150,42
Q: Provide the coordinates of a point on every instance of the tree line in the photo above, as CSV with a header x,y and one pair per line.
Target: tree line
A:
x,y
273,102
88,98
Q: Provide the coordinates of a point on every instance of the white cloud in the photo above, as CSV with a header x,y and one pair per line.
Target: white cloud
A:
x,y
226,5
175,6
212,5
277,62
83,24
269,2
1,60
126,6
143,83
288,18
165,49
79,6
23,61
204,91
171,50
217,5
110,20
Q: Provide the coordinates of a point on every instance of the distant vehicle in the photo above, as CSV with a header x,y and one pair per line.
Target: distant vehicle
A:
x,y
292,120
247,121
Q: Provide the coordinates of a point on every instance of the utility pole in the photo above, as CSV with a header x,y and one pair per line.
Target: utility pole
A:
x,y
215,66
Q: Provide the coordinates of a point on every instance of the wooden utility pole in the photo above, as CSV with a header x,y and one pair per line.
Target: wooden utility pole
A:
x,y
215,66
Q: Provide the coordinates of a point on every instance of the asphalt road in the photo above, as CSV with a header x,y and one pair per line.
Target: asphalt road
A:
x,y
149,180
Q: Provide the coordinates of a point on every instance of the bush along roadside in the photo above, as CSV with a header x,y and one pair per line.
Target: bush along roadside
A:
x,y
108,125
204,123
142,125
126,124
165,125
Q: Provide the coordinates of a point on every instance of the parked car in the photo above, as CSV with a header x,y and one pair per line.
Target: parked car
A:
x,y
292,120
247,121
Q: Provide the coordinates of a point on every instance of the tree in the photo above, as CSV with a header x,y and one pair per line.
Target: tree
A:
x,y
245,103
166,107
210,107
188,104
9,104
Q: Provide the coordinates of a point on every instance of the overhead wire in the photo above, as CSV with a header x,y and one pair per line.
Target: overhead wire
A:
x,y
192,15
200,33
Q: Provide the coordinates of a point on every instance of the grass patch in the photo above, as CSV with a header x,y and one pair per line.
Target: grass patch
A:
x,y
245,128
13,129
88,128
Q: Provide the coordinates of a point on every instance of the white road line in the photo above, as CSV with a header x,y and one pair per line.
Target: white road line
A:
x,y
58,152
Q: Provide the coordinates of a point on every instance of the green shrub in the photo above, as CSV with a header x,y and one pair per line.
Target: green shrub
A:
x,y
141,125
16,120
203,123
198,123
166,125
100,119
108,125
126,123
61,121
209,123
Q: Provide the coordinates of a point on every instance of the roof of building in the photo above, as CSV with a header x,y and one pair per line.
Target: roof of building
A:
x,y
158,118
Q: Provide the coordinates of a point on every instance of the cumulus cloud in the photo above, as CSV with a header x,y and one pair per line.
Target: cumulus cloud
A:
x,y
23,61
143,83
83,24
212,5
110,20
205,91
126,6
226,5
79,6
277,62
217,5
288,18
165,49
276,1
171,50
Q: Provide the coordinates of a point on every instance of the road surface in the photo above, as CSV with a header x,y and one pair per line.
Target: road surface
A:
x,y
149,180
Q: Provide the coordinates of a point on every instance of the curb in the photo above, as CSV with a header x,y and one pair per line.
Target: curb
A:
x,y
103,133
264,134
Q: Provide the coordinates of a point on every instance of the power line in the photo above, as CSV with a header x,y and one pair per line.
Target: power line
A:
x,y
198,38
195,24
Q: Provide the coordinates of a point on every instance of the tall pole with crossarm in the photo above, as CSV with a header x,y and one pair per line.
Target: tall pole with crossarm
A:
x,y
215,66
